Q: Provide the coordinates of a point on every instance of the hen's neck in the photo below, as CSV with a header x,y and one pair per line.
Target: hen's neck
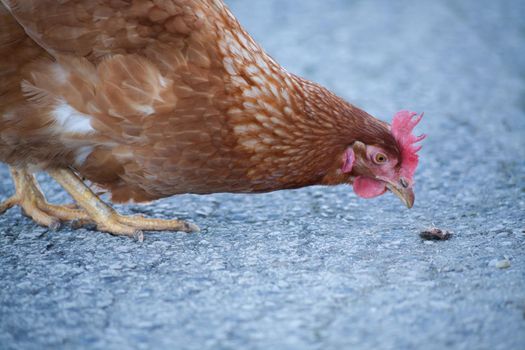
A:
x,y
293,131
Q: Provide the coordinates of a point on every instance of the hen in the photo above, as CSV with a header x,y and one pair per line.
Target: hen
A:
x,y
148,99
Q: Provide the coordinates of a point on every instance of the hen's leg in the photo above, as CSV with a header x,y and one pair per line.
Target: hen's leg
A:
x,y
33,203
105,217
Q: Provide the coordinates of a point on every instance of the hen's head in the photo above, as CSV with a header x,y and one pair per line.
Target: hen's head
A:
x,y
387,165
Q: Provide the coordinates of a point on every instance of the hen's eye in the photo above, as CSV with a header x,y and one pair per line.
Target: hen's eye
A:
x,y
380,158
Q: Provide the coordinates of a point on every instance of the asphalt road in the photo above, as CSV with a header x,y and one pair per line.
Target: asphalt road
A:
x,y
318,268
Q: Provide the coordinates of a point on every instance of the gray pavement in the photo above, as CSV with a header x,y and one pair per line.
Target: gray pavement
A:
x,y
318,268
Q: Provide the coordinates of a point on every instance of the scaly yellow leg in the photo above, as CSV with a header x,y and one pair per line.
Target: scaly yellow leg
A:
x,y
33,203
106,218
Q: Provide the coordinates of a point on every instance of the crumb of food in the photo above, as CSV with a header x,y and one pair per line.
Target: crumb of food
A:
x,y
435,234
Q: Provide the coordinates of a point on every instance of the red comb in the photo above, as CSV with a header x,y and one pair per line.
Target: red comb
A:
x,y
402,126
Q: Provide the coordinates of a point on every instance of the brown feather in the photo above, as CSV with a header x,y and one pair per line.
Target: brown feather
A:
x,y
154,98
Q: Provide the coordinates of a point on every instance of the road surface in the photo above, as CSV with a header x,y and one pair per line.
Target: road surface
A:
x,y
318,268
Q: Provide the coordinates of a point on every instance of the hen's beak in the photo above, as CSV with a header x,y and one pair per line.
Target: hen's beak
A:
x,y
405,193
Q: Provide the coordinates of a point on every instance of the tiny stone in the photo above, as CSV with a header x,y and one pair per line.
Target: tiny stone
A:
x,y
503,264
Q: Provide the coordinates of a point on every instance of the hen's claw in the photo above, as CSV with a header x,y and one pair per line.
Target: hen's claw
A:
x,y
33,203
134,225
148,224
30,209
106,218
8,204
89,208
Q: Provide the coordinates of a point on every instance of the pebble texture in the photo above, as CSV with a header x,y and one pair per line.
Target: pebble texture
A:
x,y
318,268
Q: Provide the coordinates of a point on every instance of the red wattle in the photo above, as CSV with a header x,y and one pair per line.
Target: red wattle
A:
x,y
366,187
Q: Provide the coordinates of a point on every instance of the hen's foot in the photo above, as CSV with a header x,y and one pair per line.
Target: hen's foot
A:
x,y
34,205
106,218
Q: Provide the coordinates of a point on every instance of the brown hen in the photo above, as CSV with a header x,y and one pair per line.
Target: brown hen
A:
x,y
148,99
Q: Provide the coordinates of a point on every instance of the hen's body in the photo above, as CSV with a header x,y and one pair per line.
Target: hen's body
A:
x,y
153,100
148,99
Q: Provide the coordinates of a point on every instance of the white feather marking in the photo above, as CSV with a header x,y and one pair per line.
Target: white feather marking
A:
x,y
269,108
252,69
261,117
229,66
246,128
243,40
285,95
248,105
68,119
273,88
146,110
239,81
258,80
262,64
254,92
163,81
254,144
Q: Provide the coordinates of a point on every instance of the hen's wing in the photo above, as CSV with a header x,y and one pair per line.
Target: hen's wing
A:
x,y
94,29
131,86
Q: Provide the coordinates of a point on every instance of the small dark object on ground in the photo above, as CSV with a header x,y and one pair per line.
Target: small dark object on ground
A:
x,y
435,234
